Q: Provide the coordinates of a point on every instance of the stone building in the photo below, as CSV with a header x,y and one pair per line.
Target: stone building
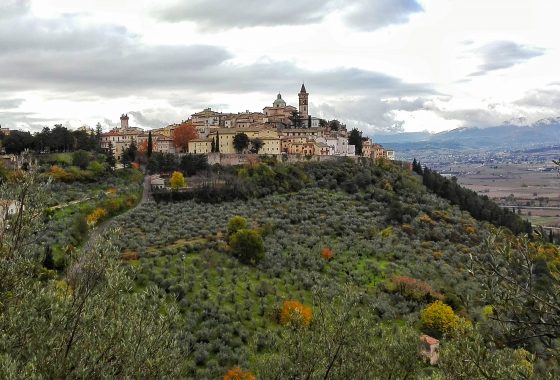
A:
x,y
429,349
225,136
279,114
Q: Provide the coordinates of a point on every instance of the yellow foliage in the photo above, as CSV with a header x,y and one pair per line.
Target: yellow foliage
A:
x,y
62,289
177,180
487,310
97,214
469,229
441,317
59,174
441,215
425,218
294,312
525,359
387,232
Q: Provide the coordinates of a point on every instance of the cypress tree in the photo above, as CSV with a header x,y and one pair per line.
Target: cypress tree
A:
x,y
213,146
150,144
217,141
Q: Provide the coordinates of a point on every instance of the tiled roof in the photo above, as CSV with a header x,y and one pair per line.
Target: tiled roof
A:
x,y
428,339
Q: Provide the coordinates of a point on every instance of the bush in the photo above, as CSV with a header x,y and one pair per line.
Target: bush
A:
x,y
295,313
80,158
237,373
236,223
440,318
97,215
247,246
412,289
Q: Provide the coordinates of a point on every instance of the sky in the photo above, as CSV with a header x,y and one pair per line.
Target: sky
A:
x,y
383,66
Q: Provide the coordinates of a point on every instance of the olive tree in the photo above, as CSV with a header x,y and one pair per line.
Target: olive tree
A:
x,y
88,322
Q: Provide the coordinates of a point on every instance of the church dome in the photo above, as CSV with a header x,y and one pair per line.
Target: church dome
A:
x,y
279,102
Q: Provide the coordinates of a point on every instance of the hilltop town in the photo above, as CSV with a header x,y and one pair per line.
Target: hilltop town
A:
x,y
280,130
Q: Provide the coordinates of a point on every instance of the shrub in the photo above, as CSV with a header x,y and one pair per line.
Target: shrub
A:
x,y
247,246
80,158
177,181
295,313
97,214
412,288
237,373
59,174
441,318
326,253
96,167
236,223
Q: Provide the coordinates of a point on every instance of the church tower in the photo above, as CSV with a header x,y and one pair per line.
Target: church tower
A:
x,y
303,102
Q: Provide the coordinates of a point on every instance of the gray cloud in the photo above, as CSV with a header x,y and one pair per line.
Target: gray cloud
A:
x,y
215,14
369,15
154,118
71,59
11,8
30,120
542,98
503,54
81,60
359,14
6,104
372,115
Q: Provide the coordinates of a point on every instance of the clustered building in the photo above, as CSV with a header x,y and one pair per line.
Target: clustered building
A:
x,y
281,128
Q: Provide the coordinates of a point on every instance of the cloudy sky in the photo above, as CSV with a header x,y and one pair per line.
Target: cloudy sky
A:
x,y
381,65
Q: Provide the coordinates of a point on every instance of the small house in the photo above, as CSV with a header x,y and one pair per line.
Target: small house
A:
x,y
429,349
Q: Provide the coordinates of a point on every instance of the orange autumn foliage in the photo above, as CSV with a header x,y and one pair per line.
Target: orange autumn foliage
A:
x,y
237,373
143,148
294,312
184,133
326,253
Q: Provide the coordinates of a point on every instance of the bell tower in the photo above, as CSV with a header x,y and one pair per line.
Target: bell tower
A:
x,y
303,102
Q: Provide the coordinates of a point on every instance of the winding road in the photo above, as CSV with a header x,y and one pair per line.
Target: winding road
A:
x,y
98,231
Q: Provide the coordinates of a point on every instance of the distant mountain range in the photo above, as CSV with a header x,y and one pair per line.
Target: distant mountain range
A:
x,y
544,132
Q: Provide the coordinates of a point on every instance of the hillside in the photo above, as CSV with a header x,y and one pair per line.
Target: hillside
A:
x,y
314,270
380,224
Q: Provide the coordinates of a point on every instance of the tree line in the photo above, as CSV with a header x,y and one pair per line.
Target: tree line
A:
x,y
479,206
56,139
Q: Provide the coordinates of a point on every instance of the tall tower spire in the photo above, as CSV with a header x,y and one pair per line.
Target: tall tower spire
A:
x,y
303,102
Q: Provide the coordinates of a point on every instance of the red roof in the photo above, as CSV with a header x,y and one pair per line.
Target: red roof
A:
x,y
428,339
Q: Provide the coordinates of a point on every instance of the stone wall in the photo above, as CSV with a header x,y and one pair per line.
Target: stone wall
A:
x,y
240,159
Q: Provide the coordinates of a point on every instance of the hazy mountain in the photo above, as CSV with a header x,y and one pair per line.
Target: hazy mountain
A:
x,y
543,132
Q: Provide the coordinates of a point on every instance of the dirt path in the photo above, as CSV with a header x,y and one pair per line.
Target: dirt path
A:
x,y
99,230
